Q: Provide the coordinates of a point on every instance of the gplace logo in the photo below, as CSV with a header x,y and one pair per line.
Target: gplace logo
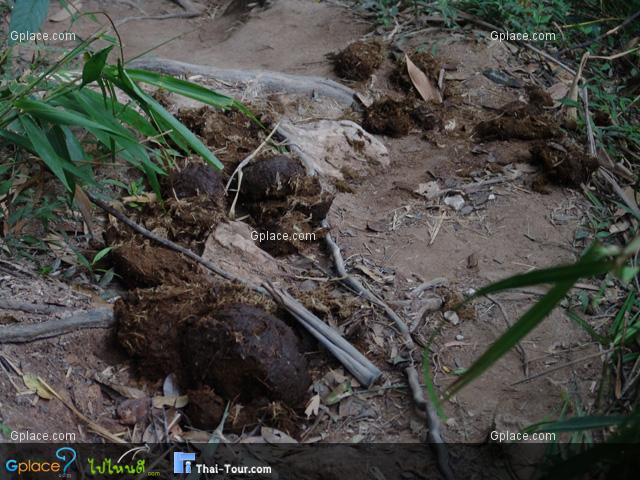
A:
x,y
182,461
66,455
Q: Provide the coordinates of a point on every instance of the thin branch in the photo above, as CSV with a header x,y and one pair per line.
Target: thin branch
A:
x,y
433,422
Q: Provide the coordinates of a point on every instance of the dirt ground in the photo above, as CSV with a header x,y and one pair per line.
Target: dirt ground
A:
x,y
393,238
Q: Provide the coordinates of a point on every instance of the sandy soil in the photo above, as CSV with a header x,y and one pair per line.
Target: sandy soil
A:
x,y
383,225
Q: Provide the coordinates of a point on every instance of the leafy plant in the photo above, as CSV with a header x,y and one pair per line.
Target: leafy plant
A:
x,y
74,120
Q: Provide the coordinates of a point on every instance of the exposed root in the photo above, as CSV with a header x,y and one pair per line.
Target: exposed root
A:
x,y
190,11
263,80
23,333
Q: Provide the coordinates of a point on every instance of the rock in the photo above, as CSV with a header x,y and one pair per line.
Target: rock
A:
x,y
454,201
452,317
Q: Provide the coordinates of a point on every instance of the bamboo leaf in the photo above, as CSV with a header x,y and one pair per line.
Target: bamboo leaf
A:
x,y
511,337
45,150
92,69
577,424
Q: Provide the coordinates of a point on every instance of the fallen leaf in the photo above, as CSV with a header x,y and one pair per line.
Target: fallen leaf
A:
x,y
170,386
84,205
341,391
558,91
424,86
313,406
271,435
162,401
33,383
64,13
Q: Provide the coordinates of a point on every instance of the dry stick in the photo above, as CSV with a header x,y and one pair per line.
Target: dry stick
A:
x,y
433,423
38,309
238,170
587,118
604,173
354,361
22,333
519,347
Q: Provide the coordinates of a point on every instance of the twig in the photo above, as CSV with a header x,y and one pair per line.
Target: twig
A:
x,y
604,173
99,429
354,361
587,118
22,333
519,347
433,423
568,364
250,157
238,170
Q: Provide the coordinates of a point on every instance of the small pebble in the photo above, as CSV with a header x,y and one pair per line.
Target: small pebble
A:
x,y
452,317
455,201
459,337
492,196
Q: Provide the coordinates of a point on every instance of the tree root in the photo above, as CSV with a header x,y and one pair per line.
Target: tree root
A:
x,y
190,11
264,80
23,333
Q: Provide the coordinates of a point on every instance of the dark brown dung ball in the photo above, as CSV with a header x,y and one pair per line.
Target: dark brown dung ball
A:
x,y
245,354
388,117
359,60
194,180
272,178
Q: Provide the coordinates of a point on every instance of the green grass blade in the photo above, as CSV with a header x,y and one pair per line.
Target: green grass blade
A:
x,y
45,150
582,323
577,424
583,268
513,335
58,116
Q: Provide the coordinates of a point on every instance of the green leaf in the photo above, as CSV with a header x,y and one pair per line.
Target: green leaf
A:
x,y
45,111
100,255
157,111
581,423
45,150
92,69
27,16
186,89
513,335
583,268
16,139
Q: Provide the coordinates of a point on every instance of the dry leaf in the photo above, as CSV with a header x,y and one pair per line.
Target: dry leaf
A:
x,y
313,406
425,87
33,383
142,198
162,401
271,435
84,205
63,14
